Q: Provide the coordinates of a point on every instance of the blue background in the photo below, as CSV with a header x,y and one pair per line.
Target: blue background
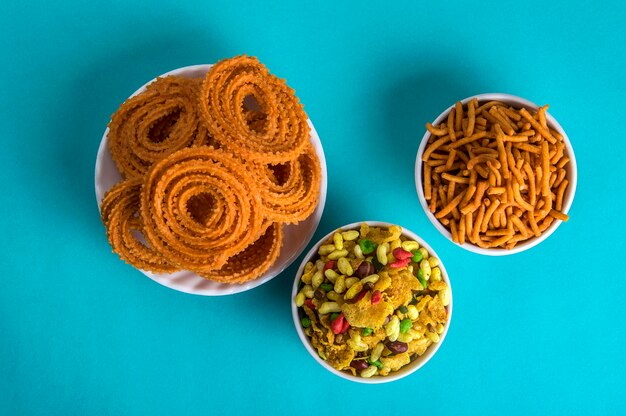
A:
x,y
82,333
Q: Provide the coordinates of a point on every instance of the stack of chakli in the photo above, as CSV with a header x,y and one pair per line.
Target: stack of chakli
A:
x,y
211,170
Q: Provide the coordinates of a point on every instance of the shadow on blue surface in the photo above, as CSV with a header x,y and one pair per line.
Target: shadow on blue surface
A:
x,y
105,82
410,100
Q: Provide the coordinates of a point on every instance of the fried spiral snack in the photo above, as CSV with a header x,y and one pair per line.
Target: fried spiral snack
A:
x,y
119,215
151,125
213,168
289,190
255,260
275,132
200,241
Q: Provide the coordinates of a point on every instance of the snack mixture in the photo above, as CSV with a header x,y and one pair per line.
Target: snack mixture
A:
x,y
212,168
372,300
495,175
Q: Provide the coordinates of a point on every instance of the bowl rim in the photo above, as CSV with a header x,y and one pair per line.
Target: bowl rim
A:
x,y
568,199
173,281
409,368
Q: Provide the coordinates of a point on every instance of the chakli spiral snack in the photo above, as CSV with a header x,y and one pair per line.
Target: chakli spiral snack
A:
x,y
148,127
276,132
202,244
119,214
214,207
255,260
288,190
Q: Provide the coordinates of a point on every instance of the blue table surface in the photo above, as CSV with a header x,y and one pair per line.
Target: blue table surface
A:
x,y
83,333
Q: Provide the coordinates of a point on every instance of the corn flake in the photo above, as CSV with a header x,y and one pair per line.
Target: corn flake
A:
x,y
395,362
437,285
384,281
373,339
423,302
419,346
338,356
437,310
330,335
425,319
310,313
403,283
381,235
363,314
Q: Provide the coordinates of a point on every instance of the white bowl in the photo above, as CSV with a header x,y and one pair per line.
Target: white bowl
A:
x,y
570,168
414,365
295,237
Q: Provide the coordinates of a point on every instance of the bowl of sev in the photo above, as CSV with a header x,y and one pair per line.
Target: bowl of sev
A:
x,y
205,190
496,174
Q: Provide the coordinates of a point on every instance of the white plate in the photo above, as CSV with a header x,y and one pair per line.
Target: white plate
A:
x,y
295,239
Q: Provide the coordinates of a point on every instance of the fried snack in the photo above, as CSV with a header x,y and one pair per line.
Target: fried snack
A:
x,y
214,207
253,261
290,191
232,221
119,215
371,300
253,113
155,123
499,178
